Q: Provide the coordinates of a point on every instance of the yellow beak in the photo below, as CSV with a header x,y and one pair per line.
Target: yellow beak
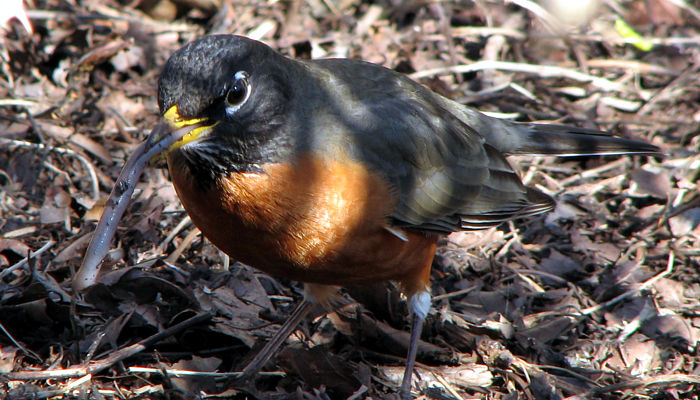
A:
x,y
173,118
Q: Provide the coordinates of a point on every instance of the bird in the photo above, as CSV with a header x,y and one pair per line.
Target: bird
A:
x,y
339,172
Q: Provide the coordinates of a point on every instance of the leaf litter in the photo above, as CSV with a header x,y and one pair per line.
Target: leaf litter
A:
x,y
598,299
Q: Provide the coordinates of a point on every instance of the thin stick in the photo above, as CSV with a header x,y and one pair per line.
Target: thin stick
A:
x,y
550,71
180,226
110,360
24,261
463,31
185,372
18,344
629,293
61,150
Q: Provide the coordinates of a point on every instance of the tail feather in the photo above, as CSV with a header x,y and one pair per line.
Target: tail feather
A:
x,y
543,139
557,140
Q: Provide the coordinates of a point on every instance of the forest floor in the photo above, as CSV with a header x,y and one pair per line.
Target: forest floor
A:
x,y
599,299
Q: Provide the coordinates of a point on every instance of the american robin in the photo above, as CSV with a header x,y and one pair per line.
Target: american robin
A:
x,y
340,172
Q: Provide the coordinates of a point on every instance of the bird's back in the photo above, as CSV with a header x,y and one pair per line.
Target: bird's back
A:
x,y
445,160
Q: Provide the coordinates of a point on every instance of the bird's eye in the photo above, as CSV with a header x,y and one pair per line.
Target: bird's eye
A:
x,y
238,93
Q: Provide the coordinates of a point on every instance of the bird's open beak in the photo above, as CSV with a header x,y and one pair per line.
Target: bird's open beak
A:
x,y
194,129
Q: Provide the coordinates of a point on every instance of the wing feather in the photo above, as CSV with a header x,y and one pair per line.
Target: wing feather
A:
x,y
444,161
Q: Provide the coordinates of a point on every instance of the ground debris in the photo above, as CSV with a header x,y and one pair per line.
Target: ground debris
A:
x,y
597,300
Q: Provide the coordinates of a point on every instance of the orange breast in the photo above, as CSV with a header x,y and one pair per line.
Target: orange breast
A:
x,y
316,220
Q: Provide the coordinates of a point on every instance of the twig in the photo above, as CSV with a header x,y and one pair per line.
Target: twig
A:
x,y
541,13
450,389
49,243
631,66
180,226
651,281
18,344
594,172
16,102
65,390
456,293
61,150
110,360
547,275
689,75
571,373
189,238
186,372
102,12
545,71
630,384
519,35
687,7
359,393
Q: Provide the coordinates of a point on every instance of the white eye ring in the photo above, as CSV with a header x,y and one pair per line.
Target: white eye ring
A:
x,y
238,94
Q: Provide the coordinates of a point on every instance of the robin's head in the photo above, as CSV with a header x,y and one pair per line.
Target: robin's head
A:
x,y
238,89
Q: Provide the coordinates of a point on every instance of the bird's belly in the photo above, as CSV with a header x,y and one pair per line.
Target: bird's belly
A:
x,y
314,220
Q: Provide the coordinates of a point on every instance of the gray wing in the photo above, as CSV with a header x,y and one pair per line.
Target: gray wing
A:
x,y
445,174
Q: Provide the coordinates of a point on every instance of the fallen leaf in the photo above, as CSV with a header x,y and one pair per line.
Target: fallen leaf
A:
x,y
647,183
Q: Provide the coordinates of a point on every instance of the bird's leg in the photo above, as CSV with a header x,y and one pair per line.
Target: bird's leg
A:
x,y
323,295
419,304
274,344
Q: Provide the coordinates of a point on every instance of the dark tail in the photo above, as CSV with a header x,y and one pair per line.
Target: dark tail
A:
x,y
544,139
558,140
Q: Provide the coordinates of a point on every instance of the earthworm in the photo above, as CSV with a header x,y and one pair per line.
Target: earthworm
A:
x,y
160,140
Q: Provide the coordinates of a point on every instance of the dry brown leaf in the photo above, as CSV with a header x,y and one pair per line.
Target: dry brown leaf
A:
x,y
321,368
196,383
685,223
647,183
560,265
529,277
637,355
92,146
8,355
